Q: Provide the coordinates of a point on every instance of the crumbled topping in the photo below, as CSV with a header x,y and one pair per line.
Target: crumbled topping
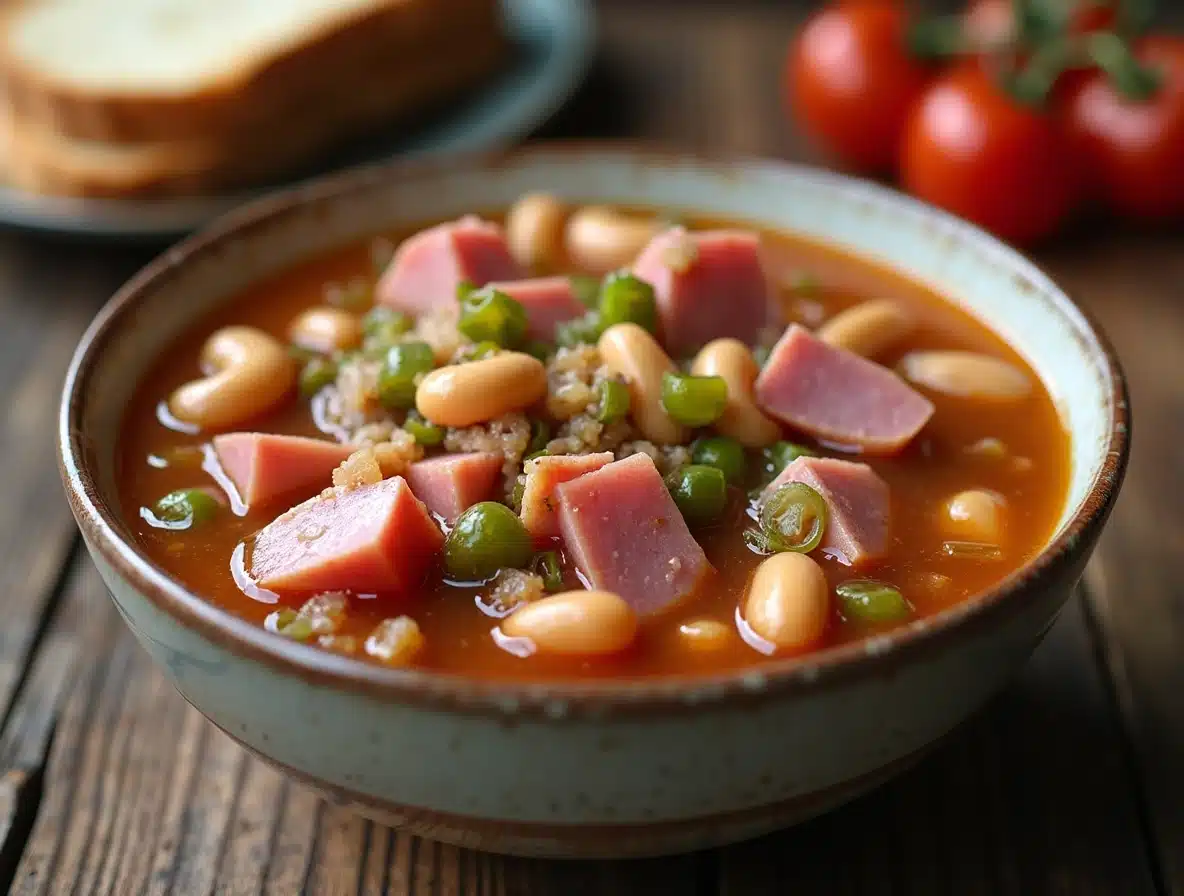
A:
x,y
395,641
511,589
667,458
374,463
508,436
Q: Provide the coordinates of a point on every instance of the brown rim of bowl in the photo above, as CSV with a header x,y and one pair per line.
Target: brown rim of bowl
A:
x,y
566,699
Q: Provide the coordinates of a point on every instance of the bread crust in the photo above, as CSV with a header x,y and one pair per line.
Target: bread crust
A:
x,y
228,106
267,145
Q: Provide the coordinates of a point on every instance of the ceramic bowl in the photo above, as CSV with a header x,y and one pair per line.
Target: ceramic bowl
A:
x,y
596,768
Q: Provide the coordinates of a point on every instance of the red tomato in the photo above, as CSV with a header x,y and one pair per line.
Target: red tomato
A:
x,y
852,82
971,149
1134,151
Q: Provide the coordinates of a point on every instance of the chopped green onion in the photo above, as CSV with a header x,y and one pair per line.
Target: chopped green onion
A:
x,y
291,624
302,354
780,455
487,537
865,600
722,452
587,289
612,401
626,299
694,400
546,566
971,550
586,329
701,492
478,351
382,327
316,375
487,314
464,289
793,518
400,368
517,492
185,507
422,430
540,435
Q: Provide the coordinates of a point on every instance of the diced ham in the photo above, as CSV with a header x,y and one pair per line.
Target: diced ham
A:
x,y
625,534
428,267
263,466
548,301
378,538
857,503
707,286
543,474
837,396
452,483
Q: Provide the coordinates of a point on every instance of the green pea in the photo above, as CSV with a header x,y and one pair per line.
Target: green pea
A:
x,y
540,435
479,350
582,330
722,452
626,299
780,455
539,349
402,364
316,375
185,507
793,518
701,492
546,565
587,289
487,537
612,401
694,400
382,327
422,430
865,600
487,314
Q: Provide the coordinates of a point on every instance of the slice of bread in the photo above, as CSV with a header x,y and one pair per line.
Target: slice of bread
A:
x,y
271,144
152,70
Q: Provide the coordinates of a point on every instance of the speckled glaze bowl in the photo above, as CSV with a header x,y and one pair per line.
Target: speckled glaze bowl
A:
x,y
602,768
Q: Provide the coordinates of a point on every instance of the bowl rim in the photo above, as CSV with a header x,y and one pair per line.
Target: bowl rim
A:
x,y
879,656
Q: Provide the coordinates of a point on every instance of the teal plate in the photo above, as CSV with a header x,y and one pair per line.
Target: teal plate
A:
x,y
553,43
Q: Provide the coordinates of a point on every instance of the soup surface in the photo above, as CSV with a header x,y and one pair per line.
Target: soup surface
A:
x,y
968,459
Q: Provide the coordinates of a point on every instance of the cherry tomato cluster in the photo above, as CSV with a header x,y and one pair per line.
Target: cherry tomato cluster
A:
x,y
1014,114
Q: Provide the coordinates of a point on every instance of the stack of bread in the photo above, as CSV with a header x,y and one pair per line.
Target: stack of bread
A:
x,y
137,98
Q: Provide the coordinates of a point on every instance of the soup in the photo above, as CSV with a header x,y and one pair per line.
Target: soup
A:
x,y
575,443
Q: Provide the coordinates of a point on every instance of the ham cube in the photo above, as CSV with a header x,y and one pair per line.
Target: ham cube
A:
x,y
837,396
625,534
857,503
548,301
264,466
428,267
543,474
452,483
707,286
374,539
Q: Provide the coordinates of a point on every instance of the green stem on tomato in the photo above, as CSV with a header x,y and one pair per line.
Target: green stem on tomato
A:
x,y
1113,55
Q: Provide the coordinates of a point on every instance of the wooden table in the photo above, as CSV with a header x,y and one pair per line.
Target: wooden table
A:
x,y
1071,782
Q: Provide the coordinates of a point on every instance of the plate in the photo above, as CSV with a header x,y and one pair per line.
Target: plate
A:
x,y
553,42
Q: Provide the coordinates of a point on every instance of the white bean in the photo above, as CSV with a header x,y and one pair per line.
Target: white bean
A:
x,y
601,239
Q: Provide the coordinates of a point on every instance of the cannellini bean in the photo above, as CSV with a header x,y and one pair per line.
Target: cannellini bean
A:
x,y
601,239
788,601
869,329
477,391
631,352
252,373
575,623
976,515
741,419
326,330
705,634
966,375
534,230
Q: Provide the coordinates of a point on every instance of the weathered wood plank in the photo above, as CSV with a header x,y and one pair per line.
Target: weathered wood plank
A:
x,y
1032,797
1132,283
